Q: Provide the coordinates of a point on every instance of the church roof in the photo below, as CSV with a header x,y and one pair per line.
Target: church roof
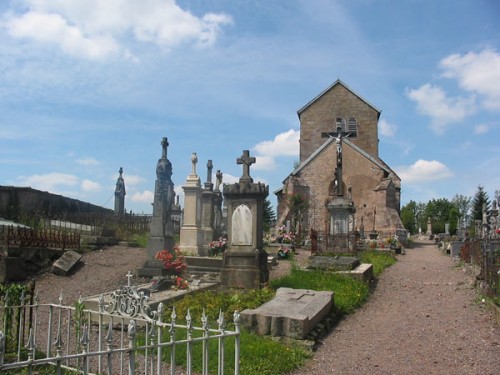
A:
x,y
337,82
380,163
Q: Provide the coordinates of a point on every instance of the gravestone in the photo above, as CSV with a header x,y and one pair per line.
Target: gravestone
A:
x,y
66,262
291,313
329,263
120,194
245,261
191,239
161,227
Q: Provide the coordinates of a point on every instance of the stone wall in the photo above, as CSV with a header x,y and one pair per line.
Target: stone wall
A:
x,y
16,202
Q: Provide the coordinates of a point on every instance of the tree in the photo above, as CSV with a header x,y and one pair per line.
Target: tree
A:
x,y
269,215
408,217
439,212
480,199
297,204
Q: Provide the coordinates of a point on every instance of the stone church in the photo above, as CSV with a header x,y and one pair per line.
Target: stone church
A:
x,y
371,186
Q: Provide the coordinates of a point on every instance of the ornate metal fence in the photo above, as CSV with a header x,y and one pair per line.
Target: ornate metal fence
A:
x,y
43,238
485,253
125,336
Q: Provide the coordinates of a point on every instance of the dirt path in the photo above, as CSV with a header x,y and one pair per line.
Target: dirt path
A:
x,y
423,318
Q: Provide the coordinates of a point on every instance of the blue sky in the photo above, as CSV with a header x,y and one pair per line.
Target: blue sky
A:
x,y
89,86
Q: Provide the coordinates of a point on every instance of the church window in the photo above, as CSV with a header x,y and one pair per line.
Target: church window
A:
x,y
352,126
340,124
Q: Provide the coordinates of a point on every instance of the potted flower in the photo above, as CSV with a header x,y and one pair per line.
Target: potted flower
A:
x,y
217,246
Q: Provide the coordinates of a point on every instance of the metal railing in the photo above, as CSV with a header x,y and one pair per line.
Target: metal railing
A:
x,y
125,336
12,236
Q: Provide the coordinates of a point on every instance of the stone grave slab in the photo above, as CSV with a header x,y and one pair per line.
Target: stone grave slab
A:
x,y
66,262
292,313
334,263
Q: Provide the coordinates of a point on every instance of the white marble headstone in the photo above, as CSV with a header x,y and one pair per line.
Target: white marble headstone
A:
x,y
242,226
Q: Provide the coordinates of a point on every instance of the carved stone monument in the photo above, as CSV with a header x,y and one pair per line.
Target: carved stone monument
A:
x,y
245,261
207,210
191,240
161,227
120,194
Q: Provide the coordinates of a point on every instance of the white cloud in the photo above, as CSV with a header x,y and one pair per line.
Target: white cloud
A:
x,y
54,29
264,162
95,29
87,161
476,72
423,171
432,101
387,129
481,129
132,180
143,197
88,185
284,144
48,182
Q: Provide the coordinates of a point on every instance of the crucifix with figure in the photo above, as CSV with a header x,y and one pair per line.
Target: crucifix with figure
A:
x,y
247,161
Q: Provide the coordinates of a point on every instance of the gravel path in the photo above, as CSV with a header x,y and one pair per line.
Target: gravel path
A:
x,y
423,317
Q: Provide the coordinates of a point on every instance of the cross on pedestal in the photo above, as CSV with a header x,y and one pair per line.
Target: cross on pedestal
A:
x,y
129,276
247,161
164,145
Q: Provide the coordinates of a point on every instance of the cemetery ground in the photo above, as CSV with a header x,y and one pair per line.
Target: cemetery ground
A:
x,y
423,317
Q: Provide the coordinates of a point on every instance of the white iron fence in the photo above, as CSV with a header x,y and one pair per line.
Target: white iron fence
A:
x,y
125,336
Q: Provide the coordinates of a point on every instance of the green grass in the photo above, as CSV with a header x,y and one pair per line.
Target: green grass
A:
x,y
380,260
348,292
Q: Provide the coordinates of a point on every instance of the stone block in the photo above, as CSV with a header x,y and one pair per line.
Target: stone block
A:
x,y
363,272
330,263
291,313
66,262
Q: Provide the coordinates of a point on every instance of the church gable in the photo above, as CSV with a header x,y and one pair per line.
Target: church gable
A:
x,y
338,108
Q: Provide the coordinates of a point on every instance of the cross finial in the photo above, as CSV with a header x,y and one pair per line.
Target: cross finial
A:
x,y
164,145
210,166
129,276
247,161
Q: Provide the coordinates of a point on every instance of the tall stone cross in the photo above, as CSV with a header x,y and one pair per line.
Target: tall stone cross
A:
x,y
210,166
247,161
164,145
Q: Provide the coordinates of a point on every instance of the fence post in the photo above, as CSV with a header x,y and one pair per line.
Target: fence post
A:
x,y
222,325
131,344
172,340
189,349
236,319
206,333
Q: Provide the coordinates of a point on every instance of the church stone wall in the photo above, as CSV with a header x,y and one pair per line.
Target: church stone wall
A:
x,y
322,114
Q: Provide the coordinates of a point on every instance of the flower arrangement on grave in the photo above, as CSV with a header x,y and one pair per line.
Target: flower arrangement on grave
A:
x,y
175,264
283,252
217,246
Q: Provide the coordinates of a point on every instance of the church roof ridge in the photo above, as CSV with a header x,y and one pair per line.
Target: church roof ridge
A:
x,y
337,82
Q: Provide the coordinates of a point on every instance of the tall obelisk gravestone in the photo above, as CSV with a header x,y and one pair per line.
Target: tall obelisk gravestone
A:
x,y
161,227
120,194
245,261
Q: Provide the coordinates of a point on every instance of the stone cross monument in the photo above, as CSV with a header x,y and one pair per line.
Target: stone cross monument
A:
x,y
161,227
245,261
120,194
